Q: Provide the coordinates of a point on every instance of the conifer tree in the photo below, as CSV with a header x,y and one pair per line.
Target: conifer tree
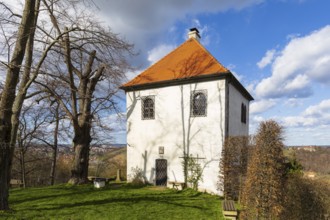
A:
x,y
233,165
263,191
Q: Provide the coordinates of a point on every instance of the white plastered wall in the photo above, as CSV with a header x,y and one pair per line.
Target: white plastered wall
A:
x,y
173,128
235,126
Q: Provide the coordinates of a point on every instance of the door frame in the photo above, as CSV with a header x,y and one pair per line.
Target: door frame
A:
x,y
161,178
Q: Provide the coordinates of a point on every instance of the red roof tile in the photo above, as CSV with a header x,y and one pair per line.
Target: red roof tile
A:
x,y
188,60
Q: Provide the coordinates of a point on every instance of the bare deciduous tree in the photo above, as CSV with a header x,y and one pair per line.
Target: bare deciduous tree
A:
x,y
83,73
70,41
51,135
33,121
8,107
17,84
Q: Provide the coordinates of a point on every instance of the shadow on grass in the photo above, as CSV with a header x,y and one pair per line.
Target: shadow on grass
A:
x,y
119,200
71,199
35,197
58,191
64,190
170,199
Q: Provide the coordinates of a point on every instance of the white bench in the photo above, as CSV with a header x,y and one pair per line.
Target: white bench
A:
x,y
229,209
16,182
176,185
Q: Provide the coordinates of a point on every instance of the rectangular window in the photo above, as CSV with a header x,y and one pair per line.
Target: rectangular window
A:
x,y
198,103
148,107
243,113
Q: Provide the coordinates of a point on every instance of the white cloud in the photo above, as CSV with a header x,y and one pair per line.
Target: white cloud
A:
x,y
298,83
320,110
130,75
197,23
258,119
2,78
203,31
254,122
16,6
267,59
238,76
316,115
295,121
297,136
145,15
118,124
292,36
144,21
251,86
231,67
293,102
261,106
303,61
159,52
116,120
310,126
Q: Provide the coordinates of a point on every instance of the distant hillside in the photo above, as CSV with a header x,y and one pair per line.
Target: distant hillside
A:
x,y
106,162
313,158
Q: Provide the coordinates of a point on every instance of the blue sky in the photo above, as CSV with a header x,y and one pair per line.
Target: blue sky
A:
x,y
279,49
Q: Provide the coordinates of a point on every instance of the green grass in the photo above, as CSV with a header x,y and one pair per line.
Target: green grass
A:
x,y
112,202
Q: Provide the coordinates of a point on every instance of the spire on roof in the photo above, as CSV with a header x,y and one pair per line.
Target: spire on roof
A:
x,y
194,33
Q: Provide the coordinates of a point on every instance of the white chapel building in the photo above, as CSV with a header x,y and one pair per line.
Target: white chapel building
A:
x,y
185,104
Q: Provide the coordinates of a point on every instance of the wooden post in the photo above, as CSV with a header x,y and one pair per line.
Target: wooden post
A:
x,y
118,175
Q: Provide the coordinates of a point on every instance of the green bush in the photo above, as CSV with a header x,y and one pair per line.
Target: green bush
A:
x,y
138,178
305,198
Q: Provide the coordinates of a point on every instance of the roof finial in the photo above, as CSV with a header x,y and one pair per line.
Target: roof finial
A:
x,y
194,33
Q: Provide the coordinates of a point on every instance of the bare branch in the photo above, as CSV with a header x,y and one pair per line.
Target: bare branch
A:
x,y
8,9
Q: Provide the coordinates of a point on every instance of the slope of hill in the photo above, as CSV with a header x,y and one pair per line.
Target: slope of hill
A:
x,y
106,163
312,158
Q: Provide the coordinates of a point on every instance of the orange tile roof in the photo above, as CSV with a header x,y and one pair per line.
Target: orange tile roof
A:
x,y
188,60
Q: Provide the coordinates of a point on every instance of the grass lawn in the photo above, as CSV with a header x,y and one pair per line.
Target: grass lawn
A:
x,y
111,202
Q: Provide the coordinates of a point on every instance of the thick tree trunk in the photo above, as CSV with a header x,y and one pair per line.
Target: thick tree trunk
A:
x,y
82,124
81,143
4,177
23,87
7,100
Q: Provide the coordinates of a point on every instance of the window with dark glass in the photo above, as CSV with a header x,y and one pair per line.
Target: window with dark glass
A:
x,y
148,107
243,113
198,103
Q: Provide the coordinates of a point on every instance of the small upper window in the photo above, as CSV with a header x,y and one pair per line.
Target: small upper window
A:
x,y
243,113
198,103
148,107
